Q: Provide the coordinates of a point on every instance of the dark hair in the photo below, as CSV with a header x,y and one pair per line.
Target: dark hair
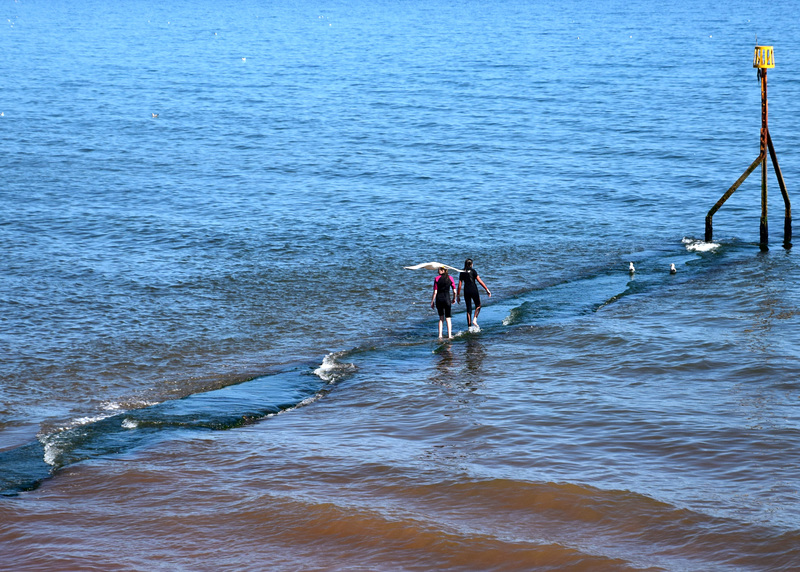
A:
x,y
467,264
445,271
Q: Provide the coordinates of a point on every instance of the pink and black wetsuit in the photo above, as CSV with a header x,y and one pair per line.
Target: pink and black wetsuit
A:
x,y
442,288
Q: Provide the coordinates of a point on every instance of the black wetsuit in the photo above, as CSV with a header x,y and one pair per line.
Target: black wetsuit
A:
x,y
470,280
443,303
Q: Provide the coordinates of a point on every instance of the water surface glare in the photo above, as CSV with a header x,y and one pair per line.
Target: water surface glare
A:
x,y
213,359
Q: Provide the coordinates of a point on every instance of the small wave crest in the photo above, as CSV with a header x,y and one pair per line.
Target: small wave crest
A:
x,y
332,370
118,428
88,419
52,442
693,245
517,314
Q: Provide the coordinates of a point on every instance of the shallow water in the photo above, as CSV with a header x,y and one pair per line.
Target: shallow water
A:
x,y
213,358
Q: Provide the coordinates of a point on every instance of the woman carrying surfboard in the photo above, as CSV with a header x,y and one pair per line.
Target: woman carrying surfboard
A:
x,y
443,286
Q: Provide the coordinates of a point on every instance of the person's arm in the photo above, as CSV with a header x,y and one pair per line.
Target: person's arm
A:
x,y
433,298
453,285
484,286
458,294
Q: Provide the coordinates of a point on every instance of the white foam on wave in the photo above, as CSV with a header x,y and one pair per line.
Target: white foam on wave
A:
x,y
331,369
86,420
51,441
699,245
469,330
513,316
306,401
51,450
128,423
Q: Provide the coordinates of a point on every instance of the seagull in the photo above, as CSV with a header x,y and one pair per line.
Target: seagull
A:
x,y
672,269
631,269
154,115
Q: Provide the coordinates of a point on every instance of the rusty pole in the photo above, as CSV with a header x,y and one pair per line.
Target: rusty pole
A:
x,y
763,227
787,217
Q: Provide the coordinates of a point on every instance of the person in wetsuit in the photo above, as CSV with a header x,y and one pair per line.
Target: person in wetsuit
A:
x,y
470,279
443,285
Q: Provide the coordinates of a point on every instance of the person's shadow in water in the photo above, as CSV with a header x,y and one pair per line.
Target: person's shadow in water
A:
x,y
458,374
444,363
474,353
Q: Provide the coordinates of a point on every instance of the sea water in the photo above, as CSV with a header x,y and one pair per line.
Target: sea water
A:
x,y
212,358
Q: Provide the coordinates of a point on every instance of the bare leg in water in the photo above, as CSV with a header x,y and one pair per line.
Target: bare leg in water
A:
x,y
449,327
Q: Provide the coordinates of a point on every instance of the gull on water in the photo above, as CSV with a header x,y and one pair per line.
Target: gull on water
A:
x,y
154,115
672,269
631,269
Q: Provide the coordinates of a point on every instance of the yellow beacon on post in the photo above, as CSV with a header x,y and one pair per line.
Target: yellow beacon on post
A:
x,y
764,57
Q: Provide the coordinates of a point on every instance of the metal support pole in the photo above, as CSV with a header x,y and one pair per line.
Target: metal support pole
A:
x,y
726,196
763,227
787,220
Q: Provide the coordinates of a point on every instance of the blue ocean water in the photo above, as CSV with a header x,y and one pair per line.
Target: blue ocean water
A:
x,y
207,331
